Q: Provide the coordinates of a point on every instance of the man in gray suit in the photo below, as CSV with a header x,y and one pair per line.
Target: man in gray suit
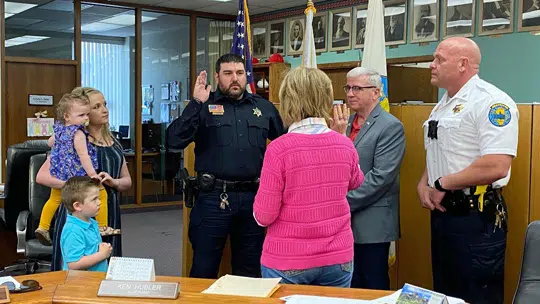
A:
x,y
380,141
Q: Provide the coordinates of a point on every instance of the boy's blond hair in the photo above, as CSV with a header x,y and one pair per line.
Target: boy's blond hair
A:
x,y
76,190
305,92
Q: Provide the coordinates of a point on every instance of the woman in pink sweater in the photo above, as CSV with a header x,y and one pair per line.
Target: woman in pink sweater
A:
x,y
305,178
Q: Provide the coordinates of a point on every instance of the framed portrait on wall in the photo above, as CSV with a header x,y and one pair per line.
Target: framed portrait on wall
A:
x,y
295,37
425,21
359,24
395,13
497,17
529,15
277,37
320,26
341,26
259,40
458,16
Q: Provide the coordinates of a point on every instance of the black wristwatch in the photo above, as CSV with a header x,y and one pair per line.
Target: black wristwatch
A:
x,y
438,185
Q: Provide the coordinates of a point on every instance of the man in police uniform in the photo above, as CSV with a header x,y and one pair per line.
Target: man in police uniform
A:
x,y
230,127
471,138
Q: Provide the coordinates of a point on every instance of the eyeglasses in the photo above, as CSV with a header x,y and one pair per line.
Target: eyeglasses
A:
x,y
356,89
26,286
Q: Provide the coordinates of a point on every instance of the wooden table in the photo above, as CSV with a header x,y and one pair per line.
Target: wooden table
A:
x,y
81,287
49,281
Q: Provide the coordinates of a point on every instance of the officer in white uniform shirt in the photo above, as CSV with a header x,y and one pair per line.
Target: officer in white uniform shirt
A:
x,y
470,138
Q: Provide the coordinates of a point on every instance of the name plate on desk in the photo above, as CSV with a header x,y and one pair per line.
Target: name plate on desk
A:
x,y
135,289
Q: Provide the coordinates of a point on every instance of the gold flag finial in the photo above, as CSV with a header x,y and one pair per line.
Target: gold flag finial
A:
x,y
310,7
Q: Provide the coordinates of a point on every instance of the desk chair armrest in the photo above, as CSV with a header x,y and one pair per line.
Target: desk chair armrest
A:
x,y
22,224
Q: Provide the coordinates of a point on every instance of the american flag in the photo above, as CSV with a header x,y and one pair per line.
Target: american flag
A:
x,y
242,41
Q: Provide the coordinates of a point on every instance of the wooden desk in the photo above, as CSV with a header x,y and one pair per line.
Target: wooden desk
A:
x,y
82,286
49,281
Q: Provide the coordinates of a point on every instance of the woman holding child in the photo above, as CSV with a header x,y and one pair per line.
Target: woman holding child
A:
x,y
111,166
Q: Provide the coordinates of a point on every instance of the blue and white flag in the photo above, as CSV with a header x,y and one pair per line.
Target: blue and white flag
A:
x,y
374,48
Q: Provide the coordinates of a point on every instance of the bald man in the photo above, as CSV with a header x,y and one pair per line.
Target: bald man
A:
x,y
470,139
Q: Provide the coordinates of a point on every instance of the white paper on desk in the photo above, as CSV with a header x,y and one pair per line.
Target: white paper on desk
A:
x,y
391,299
244,286
10,279
302,299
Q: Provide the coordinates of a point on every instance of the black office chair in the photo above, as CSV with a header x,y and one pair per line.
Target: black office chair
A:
x,y
37,256
16,186
528,290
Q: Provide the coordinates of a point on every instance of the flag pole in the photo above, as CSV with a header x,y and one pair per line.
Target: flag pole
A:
x,y
309,54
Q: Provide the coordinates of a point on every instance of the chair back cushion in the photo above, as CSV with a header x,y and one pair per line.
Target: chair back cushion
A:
x,y
528,290
16,187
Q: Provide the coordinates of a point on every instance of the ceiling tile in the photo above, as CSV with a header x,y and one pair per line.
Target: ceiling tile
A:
x,y
191,5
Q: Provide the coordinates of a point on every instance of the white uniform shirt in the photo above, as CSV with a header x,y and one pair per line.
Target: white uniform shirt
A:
x,y
479,120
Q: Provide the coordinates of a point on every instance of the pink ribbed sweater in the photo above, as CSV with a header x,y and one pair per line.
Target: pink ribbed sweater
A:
x,y
302,200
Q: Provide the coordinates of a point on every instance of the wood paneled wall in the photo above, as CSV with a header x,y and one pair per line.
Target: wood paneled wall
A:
x,y
413,249
414,254
23,79
534,212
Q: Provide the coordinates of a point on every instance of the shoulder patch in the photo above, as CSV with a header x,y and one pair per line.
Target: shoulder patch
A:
x,y
499,115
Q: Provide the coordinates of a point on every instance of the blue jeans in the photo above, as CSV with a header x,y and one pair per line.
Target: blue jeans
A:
x,y
338,275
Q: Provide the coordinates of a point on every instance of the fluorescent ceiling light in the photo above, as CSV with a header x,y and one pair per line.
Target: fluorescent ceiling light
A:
x,y
221,0
16,7
227,37
125,20
113,23
175,58
99,27
347,14
24,40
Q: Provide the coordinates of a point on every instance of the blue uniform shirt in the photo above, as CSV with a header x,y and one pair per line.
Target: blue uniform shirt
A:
x,y
230,135
80,238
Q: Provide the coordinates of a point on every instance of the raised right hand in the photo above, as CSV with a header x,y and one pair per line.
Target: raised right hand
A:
x,y
105,249
201,90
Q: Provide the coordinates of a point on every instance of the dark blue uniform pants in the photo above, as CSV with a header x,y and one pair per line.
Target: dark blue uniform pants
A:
x,y
208,230
468,257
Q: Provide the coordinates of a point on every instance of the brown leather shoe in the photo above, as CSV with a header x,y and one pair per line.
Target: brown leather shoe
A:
x,y
43,236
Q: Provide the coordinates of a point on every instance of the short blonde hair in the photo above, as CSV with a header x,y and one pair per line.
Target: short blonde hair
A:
x,y
76,190
305,92
87,91
66,103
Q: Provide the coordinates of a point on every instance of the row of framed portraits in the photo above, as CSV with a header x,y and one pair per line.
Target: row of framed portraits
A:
x,y
348,25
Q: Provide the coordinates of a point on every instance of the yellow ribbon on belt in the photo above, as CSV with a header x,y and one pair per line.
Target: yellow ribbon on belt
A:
x,y
480,190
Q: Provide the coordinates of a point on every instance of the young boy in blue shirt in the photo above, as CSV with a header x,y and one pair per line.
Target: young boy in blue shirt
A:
x,y
81,244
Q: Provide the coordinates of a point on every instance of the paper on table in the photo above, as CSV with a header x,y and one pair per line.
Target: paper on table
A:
x,y
244,286
10,279
391,299
302,299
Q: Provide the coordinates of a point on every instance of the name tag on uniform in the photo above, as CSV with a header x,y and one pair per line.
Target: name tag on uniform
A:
x,y
216,109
